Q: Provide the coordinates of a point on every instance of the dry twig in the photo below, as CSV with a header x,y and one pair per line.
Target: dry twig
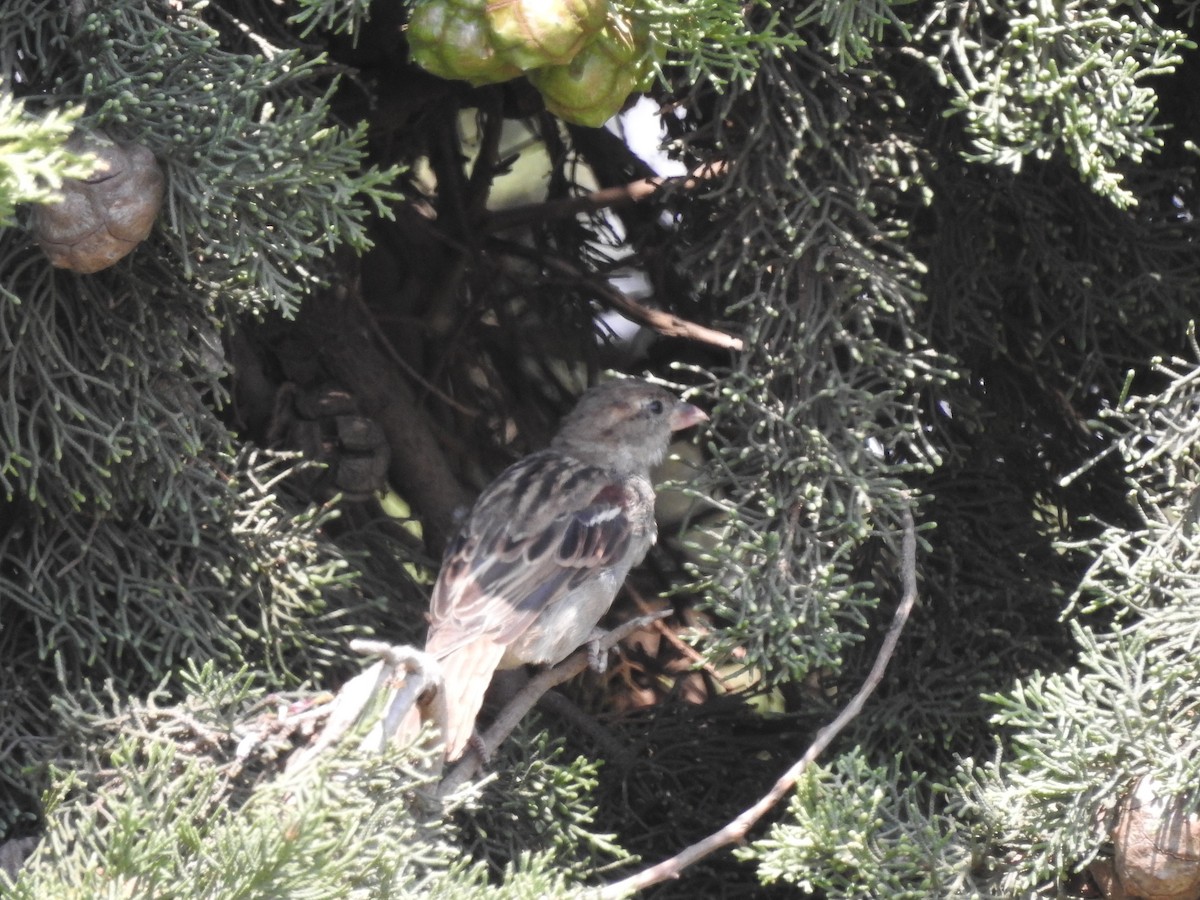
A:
x,y
665,323
686,650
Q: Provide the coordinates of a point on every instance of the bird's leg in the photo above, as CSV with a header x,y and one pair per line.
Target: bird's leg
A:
x,y
475,742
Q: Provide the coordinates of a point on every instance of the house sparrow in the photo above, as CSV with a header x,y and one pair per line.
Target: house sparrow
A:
x,y
548,545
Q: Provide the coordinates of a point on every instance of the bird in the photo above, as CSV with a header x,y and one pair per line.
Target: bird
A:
x,y
548,544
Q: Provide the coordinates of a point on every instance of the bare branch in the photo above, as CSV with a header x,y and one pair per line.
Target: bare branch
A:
x,y
419,468
665,323
621,195
736,830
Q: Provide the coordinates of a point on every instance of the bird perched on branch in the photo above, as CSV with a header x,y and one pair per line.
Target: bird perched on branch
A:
x,y
548,545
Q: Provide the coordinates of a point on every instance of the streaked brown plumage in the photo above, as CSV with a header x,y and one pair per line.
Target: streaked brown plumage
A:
x,y
549,543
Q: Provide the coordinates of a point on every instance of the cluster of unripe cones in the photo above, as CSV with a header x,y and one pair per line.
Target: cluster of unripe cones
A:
x,y
585,57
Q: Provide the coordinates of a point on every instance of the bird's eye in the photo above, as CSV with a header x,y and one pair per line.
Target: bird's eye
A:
x,y
656,407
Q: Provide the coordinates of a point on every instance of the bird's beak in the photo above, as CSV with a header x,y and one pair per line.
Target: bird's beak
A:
x,y
684,415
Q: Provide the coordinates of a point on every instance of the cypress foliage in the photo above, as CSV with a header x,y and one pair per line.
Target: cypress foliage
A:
x,y
935,256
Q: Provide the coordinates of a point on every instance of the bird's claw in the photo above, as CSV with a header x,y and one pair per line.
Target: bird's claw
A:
x,y
597,654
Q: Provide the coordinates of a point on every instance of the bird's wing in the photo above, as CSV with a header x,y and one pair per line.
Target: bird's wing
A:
x,y
521,553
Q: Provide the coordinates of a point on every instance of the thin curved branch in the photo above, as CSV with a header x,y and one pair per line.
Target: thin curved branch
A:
x,y
736,831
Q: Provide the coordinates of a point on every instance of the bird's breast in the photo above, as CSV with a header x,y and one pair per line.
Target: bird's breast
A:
x,y
566,625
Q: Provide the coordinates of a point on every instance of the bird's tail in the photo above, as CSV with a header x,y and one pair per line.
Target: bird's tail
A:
x,y
466,673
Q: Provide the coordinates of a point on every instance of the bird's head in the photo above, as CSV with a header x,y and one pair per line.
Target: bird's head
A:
x,y
625,425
